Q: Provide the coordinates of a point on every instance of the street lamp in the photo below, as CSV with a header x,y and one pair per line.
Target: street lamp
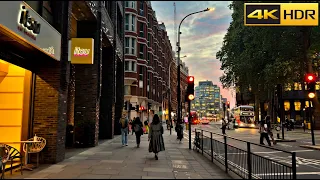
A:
x,y
169,89
179,49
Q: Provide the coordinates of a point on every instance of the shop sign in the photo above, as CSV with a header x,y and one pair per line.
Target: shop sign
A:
x,y
81,50
18,18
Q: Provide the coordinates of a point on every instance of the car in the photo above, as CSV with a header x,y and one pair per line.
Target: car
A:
x,y
205,121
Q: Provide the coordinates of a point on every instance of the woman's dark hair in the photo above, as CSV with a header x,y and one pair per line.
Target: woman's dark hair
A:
x,y
156,119
137,120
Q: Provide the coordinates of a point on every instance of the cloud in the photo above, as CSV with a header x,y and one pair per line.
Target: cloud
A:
x,y
201,38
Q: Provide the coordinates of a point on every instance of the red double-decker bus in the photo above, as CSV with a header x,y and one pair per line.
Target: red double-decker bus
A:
x,y
194,117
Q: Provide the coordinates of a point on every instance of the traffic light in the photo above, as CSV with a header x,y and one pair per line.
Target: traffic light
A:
x,y
190,89
137,108
149,105
126,105
228,105
311,85
130,107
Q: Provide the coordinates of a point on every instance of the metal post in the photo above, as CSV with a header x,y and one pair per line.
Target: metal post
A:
x,y
170,118
294,166
249,161
312,125
189,122
280,100
211,147
225,153
202,142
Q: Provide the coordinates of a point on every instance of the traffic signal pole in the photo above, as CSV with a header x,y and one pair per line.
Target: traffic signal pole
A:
x,y
189,121
312,124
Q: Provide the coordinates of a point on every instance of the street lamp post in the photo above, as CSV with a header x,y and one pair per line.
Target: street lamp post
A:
x,y
169,89
179,49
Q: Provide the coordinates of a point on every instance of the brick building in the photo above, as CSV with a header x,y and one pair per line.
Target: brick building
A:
x,y
147,56
42,92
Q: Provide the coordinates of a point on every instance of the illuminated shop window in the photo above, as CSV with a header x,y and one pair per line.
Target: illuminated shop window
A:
x,y
286,105
297,105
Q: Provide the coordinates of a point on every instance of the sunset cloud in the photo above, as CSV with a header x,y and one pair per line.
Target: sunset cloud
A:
x,y
201,38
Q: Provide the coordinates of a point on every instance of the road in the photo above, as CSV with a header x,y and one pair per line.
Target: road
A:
x,y
308,161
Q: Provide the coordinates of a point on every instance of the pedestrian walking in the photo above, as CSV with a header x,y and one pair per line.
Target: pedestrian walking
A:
x,y
268,122
130,126
224,126
124,130
179,130
146,125
137,126
304,126
263,129
155,138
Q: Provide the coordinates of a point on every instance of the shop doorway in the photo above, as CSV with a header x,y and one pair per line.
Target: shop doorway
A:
x,y
15,95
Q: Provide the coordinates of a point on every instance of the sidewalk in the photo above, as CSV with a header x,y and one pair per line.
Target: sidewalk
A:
x,y
110,160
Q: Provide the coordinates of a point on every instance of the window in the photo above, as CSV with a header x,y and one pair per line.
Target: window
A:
x,y
133,46
149,39
286,105
141,12
133,23
141,53
127,22
130,66
127,45
130,4
130,22
130,46
141,73
297,86
297,105
141,29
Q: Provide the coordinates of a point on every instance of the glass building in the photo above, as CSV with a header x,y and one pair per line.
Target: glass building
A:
x,y
207,99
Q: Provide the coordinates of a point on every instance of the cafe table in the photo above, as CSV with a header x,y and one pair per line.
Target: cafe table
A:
x,y
28,143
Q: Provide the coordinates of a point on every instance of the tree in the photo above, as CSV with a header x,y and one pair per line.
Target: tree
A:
x,y
261,57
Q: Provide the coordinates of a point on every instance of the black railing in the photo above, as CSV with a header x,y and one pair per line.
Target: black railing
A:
x,y
241,160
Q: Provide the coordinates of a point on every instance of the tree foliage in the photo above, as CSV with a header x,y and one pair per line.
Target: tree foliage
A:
x,y
261,57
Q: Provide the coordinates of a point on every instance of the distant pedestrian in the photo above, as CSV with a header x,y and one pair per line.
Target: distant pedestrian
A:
x,y
224,126
155,138
179,130
263,129
137,127
146,125
130,126
268,122
133,122
124,130
304,126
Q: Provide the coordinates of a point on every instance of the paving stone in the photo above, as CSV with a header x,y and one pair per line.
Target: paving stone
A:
x,y
94,176
125,177
112,161
157,169
151,177
161,174
108,171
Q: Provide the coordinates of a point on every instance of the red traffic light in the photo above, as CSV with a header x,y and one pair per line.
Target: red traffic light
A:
x,y
190,78
228,102
310,77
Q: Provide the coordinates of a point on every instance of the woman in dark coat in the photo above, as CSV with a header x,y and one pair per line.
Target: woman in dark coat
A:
x,y
155,137
137,128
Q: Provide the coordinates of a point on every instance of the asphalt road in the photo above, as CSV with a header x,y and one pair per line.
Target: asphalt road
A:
x,y
308,161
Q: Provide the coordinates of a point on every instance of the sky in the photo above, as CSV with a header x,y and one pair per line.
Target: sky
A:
x,y
201,38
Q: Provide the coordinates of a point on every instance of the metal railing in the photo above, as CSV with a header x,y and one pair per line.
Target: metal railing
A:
x,y
241,160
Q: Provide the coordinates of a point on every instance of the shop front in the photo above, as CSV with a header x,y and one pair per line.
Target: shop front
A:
x,y
29,76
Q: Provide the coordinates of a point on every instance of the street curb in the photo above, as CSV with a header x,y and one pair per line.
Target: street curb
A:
x,y
310,147
285,140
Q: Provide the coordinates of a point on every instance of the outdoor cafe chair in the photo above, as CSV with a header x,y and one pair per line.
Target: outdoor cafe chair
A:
x,y
10,154
36,147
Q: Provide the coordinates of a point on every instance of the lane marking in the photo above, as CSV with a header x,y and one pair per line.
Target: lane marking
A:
x,y
308,150
298,173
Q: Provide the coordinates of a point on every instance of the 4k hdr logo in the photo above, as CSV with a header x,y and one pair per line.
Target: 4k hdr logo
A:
x,y
281,14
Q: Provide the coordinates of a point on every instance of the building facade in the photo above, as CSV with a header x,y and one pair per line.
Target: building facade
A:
x,y
294,99
148,55
44,90
207,99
